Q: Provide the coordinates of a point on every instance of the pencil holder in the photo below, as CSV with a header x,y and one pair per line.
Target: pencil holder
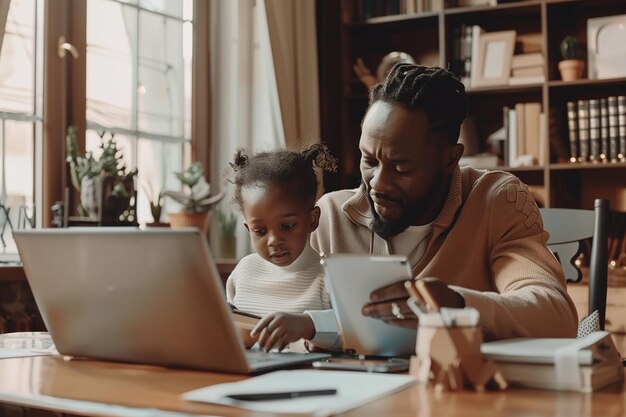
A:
x,y
448,353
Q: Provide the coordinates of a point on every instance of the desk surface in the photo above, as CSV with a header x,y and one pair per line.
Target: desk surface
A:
x,y
25,380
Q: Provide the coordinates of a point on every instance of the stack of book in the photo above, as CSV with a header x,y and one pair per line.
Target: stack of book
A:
x,y
582,365
527,68
597,129
525,130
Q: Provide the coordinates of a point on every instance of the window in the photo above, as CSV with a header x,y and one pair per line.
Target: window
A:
x,y
20,115
138,72
139,87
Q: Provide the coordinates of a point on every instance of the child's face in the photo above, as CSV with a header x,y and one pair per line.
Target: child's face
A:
x,y
279,224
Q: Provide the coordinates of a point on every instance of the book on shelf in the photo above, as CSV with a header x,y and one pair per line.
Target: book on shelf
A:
x,y
474,3
476,32
582,365
527,71
594,130
543,138
583,130
507,140
533,79
529,42
532,134
572,130
524,134
604,130
512,137
621,129
613,129
520,115
533,59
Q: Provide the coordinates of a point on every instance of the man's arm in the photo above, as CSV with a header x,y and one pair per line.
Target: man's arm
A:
x,y
531,298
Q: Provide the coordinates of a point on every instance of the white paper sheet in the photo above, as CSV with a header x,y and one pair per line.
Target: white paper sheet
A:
x,y
353,390
22,353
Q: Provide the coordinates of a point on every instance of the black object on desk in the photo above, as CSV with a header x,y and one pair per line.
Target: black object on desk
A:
x,y
281,395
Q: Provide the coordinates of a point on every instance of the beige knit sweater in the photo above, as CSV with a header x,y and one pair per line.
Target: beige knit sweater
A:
x,y
488,244
260,287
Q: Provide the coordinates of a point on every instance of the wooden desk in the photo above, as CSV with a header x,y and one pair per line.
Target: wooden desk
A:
x,y
37,382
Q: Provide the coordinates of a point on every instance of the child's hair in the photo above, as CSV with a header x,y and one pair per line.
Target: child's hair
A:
x,y
282,166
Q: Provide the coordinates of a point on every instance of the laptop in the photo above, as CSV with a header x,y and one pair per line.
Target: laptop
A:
x,y
130,295
349,280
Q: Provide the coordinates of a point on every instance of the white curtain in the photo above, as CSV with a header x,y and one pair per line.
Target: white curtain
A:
x,y
264,84
244,97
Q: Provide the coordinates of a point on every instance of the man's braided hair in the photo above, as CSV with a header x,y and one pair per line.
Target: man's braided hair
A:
x,y
434,90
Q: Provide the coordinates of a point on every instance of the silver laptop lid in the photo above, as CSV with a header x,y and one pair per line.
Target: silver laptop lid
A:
x,y
151,296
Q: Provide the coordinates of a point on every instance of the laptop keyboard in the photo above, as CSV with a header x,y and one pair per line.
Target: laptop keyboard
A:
x,y
259,360
259,356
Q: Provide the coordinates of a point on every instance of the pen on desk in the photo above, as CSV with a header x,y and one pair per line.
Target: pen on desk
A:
x,y
266,396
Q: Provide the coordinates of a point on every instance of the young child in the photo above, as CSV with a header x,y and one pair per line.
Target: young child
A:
x,y
276,192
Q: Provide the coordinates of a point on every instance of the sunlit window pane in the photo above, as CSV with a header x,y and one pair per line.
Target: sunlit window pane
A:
x,y
20,124
19,159
139,84
160,88
17,58
169,7
110,45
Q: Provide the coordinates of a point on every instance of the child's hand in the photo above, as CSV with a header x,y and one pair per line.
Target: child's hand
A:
x,y
280,329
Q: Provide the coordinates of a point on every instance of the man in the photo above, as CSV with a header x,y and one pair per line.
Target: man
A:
x,y
477,234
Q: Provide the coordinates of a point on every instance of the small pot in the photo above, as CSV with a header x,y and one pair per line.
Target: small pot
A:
x,y
198,220
571,69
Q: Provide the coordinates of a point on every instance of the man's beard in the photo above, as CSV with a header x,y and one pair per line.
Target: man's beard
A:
x,y
388,230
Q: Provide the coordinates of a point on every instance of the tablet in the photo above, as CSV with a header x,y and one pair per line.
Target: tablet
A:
x,y
349,280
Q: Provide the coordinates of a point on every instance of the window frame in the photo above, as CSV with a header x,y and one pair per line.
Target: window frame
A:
x,y
64,101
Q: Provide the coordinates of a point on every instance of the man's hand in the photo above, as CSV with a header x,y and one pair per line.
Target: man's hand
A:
x,y
389,303
280,329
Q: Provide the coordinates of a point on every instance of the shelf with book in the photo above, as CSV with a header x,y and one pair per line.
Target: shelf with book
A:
x,y
586,84
502,8
440,37
568,166
381,20
506,89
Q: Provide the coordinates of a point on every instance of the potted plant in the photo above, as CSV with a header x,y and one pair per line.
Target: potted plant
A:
x,y
196,199
106,187
228,241
572,66
156,206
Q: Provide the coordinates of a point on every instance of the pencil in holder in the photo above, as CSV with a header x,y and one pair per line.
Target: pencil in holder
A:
x,y
448,352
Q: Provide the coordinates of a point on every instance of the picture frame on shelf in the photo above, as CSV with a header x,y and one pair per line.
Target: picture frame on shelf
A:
x,y
606,47
495,52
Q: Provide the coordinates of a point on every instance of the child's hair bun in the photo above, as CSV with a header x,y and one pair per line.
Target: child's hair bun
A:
x,y
241,160
319,155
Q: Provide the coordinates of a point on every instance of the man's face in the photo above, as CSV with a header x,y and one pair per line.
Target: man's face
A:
x,y
278,221
405,173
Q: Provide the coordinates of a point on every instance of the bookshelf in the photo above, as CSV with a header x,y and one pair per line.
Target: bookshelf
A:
x,y
430,37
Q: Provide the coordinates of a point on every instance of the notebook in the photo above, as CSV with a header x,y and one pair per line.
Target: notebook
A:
x,y
350,279
583,365
353,389
151,296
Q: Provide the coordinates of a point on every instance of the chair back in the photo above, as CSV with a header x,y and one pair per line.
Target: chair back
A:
x,y
567,229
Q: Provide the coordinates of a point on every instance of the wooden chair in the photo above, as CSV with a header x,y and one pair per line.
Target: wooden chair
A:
x,y
568,228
